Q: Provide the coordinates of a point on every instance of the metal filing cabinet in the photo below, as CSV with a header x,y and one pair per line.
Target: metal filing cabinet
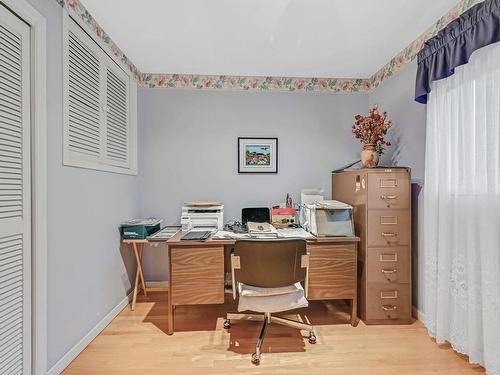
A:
x,y
382,217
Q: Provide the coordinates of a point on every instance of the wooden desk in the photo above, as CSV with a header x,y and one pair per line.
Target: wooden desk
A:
x,y
197,272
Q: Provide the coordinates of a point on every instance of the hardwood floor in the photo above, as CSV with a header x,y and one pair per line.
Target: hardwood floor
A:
x,y
136,343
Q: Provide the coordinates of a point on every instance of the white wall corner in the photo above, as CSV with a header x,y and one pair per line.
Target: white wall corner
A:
x,y
417,314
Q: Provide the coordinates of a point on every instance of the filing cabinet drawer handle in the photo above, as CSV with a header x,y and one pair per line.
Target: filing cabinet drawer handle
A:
x,y
389,272
389,234
388,197
389,307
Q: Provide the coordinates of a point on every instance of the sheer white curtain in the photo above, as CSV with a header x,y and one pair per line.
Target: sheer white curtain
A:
x,y
461,210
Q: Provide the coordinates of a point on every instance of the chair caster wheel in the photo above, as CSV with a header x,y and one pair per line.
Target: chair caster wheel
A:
x,y
255,358
227,324
312,338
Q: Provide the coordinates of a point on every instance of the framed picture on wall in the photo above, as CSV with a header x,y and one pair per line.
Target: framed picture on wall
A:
x,y
257,155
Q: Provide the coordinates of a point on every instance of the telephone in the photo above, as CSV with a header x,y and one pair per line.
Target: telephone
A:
x,y
236,227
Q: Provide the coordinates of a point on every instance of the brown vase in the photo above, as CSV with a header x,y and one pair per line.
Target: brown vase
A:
x,y
369,156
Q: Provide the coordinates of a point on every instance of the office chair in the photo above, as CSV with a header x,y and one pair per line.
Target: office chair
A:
x,y
267,276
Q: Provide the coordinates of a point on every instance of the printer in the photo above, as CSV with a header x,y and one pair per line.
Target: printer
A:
x,y
202,216
328,218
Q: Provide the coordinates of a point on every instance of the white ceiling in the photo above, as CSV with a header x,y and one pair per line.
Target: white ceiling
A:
x,y
293,38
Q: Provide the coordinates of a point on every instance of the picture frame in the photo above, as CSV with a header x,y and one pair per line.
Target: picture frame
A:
x,y
257,155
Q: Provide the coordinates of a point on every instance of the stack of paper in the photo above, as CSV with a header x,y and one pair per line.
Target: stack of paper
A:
x,y
150,221
261,230
164,233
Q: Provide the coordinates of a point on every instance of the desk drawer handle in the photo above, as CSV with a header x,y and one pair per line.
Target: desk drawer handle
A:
x,y
389,308
389,272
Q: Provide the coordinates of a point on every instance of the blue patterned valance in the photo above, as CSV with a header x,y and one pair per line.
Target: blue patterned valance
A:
x,y
453,46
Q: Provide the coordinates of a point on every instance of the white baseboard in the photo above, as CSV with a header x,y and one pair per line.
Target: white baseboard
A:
x,y
87,339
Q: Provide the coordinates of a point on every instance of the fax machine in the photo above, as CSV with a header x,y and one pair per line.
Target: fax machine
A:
x,y
202,217
328,218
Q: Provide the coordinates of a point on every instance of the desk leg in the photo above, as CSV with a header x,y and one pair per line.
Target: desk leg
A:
x,y
171,311
136,286
354,312
142,271
138,257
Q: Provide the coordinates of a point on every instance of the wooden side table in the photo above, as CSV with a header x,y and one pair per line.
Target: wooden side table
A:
x,y
150,286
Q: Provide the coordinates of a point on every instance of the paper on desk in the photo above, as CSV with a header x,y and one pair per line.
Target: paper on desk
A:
x,y
150,221
224,234
294,233
164,233
282,233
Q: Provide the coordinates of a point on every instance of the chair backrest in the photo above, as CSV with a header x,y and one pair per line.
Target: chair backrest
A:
x,y
270,263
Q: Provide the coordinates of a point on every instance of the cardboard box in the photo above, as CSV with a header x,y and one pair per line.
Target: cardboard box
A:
x,y
283,217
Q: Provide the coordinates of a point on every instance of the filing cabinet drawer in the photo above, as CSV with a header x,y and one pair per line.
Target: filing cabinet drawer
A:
x,y
388,228
197,275
388,190
388,265
388,302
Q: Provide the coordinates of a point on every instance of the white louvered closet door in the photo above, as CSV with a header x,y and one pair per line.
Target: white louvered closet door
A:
x,y
15,242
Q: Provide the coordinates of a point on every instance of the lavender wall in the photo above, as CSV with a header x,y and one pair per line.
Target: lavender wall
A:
x,y
189,149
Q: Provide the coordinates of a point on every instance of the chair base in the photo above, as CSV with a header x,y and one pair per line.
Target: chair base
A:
x,y
267,318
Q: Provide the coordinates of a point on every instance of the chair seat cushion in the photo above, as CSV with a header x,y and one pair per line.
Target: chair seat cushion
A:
x,y
255,291
273,303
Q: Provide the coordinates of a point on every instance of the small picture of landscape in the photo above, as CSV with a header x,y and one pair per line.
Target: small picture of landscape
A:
x,y
257,155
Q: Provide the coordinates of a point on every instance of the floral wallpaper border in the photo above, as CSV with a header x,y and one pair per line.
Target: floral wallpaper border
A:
x,y
408,54
292,84
255,83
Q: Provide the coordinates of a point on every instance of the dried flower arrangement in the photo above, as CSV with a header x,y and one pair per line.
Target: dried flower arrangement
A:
x,y
372,128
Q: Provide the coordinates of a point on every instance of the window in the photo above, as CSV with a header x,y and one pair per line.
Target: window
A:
x,y
463,128
99,107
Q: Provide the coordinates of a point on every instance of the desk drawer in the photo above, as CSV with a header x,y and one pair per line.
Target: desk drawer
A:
x,y
388,265
388,228
197,275
388,302
388,190
332,271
